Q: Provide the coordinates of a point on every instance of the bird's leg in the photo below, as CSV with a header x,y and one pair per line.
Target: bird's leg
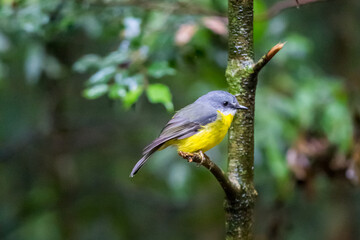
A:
x,y
202,156
198,157
185,155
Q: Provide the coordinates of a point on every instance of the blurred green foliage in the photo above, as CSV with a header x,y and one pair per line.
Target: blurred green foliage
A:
x,y
65,160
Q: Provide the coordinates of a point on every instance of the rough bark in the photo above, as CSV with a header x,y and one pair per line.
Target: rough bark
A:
x,y
241,75
242,83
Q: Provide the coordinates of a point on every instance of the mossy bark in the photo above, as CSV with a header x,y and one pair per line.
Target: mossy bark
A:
x,y
242,83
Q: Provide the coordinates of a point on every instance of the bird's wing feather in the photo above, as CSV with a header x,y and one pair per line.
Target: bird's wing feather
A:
x,y
185,123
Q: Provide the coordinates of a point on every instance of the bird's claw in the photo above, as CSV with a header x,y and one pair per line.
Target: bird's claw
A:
x,y
201,156
188,156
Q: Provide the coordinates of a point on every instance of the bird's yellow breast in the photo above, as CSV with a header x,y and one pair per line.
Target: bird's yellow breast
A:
x,y
208,136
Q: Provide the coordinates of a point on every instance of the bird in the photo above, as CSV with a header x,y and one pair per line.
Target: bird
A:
x,y
195,128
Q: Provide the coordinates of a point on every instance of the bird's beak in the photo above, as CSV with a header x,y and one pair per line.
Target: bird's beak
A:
x,y
238,106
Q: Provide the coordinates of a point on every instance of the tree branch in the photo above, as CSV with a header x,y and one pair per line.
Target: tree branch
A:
x,y
180,8
267,57
231,191
242,84
278,7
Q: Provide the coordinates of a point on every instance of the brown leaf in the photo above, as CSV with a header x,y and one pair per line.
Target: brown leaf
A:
x,y
298,163
185,33
353,172
216,24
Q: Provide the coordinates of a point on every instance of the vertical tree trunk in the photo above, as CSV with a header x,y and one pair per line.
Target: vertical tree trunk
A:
x,y
241,75
242,83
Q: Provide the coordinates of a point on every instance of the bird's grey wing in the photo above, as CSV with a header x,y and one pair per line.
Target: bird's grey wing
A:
x,y
185,123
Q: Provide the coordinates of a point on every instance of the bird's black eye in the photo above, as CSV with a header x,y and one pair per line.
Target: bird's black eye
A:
x,y
225,103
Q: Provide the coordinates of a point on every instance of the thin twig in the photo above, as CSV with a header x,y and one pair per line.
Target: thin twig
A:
x,y
278,7
230,189
179,8
267,57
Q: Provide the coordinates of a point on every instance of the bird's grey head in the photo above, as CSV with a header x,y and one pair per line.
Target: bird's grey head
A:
x,y
222,101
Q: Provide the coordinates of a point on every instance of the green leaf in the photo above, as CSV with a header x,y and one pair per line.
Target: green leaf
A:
x,y
103,76
95,91
91,25
114,58
277,162
160,69
160,93
4,43
117,91
278,167
34,63
132,96
130,82
132,27
87,62
337,125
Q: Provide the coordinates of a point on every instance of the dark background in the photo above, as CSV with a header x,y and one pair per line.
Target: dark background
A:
x,y
69,138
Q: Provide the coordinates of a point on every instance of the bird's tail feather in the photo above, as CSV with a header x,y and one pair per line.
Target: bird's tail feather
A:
x,y
139,164
147,153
